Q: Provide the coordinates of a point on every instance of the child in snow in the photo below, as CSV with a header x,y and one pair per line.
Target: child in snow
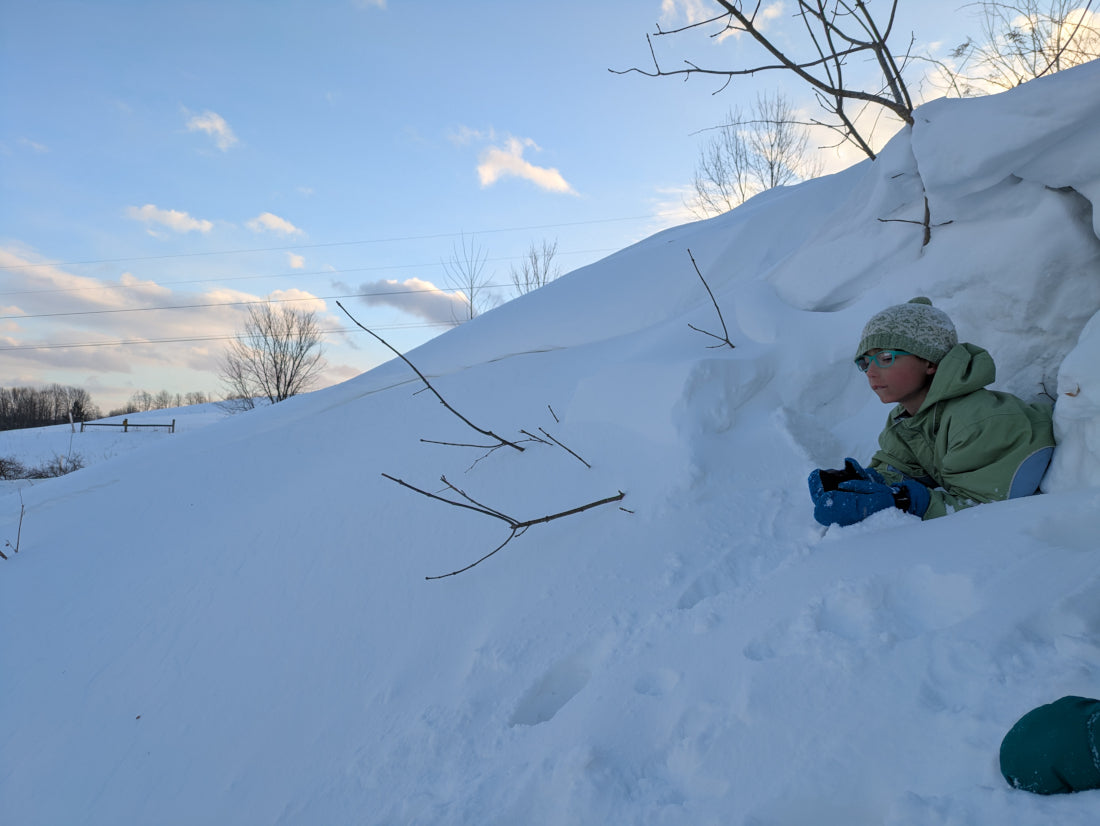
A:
x,y
949,443
1055,748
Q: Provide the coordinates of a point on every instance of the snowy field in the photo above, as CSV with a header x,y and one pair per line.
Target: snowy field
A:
x,y
231,624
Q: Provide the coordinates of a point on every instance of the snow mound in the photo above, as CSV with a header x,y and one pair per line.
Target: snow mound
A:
x,y
234,627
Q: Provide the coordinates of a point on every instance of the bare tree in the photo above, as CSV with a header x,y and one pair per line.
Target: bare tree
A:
x,y
746,156
537,269
1022,40
836,32
465,273
278,355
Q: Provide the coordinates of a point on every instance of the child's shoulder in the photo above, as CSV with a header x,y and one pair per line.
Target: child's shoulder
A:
x,y
995,409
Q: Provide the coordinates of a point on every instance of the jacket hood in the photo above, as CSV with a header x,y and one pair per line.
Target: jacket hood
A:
x,y
965,368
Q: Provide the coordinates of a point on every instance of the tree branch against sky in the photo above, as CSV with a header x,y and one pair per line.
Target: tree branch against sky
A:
x,y
1020,40
748,155
834,34
278,354
189,188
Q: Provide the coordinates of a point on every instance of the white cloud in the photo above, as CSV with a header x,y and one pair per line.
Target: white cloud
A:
x,y
34,146
296,261
269,222
677,13
214,125
670,209
465,135
55,307
150,289
299,299
414,296
688,11
172,219
498,162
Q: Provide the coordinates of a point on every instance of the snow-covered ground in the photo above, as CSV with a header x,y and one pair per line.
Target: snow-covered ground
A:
x,y
105,438
232,623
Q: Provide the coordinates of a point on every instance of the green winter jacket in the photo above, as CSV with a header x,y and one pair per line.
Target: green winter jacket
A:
x,y
1055,748
967,444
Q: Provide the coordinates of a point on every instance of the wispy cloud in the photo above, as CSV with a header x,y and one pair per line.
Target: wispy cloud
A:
x,y
466,135
414,296
676,13
172,219
34,146
669,206
215,126
299,299
53,306
687,11
173,337
269,222
505,161
295,261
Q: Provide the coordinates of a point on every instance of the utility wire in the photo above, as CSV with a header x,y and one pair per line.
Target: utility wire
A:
x,y
395,239
242,303
222,279
188,339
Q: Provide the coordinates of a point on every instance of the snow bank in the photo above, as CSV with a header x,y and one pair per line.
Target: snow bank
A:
x,y
1077,416
234,627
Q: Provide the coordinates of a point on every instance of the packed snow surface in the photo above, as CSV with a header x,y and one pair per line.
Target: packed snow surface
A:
x,y
231,624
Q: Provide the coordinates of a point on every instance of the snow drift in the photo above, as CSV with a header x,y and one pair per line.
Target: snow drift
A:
x,y
233,625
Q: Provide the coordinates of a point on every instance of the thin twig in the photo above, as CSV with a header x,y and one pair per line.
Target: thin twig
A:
x,y
725,339
428,384
19,530
567,450
459,444
439,498
511,536
472,501
518,527
926,223
534,438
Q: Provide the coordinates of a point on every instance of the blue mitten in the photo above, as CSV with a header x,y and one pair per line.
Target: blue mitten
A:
x,y
855,500
912,497
822,480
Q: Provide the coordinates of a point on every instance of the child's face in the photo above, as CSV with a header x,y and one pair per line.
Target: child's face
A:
x,y
904,382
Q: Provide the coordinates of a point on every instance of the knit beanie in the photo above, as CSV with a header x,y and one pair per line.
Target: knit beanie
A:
x,y
916,327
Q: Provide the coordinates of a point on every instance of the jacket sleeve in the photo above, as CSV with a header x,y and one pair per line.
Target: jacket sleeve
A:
x,y
942,502
985,458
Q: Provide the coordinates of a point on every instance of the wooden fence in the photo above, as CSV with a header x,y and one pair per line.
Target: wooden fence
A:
x,y
127,426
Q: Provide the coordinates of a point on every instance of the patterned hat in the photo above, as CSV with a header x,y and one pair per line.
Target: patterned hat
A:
x,y
916,327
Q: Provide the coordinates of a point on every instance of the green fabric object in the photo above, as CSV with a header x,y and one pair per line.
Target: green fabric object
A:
x,y
966,443
1055,748
916,327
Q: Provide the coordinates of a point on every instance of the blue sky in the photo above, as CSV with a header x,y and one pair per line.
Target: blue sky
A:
x,y
163,164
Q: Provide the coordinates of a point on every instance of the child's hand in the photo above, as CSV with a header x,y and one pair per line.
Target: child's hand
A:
x,y
852,501
856,499
822,480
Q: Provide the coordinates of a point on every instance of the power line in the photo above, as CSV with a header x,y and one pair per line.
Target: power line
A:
x,y
189,339
247,303
394,239
222,279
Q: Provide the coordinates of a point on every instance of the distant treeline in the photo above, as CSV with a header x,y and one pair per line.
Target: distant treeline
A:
x,y
143,400
42,406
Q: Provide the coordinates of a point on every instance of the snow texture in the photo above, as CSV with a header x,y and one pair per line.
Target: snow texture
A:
x,y
231,624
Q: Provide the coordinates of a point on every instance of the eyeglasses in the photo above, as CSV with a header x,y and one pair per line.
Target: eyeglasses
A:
x,y
883,358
